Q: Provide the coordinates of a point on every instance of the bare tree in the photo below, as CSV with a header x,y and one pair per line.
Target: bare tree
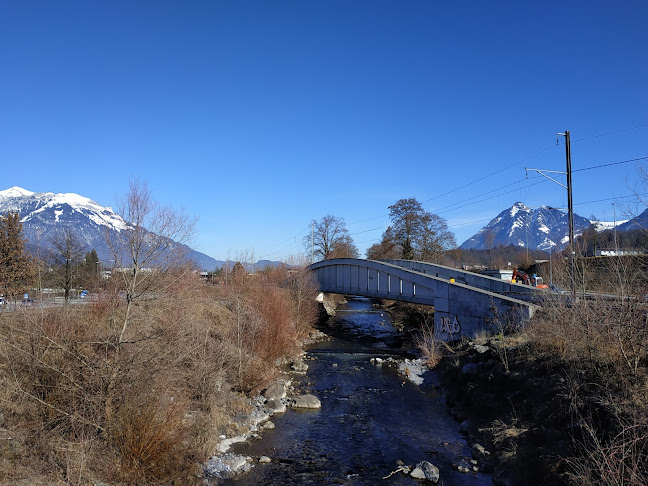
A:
x,y
66,256
433,238
345,248
419,233
405,216
151,243
387,249
330,239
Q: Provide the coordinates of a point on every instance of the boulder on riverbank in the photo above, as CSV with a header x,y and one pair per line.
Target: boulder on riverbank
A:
x,y
299,366
275,406
276,390
227,465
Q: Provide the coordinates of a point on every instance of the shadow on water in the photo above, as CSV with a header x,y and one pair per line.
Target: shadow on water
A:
x,y
370,418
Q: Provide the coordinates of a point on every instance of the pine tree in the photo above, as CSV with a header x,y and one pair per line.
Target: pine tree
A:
x,y
17,268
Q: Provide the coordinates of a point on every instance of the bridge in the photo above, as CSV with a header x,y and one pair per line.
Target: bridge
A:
x,y
464,302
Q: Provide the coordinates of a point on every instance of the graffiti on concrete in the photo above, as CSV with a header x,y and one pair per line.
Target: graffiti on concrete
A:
x,y
450,325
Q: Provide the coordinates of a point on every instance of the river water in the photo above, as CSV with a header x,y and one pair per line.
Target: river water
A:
x,y
371,417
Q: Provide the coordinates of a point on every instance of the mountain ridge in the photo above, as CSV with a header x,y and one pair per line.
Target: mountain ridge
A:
x,y
544,228
43,214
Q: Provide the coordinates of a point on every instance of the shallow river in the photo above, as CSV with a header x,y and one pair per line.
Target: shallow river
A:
x,y
370,418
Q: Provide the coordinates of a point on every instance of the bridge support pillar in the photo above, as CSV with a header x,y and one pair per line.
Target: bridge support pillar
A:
x,y
330,302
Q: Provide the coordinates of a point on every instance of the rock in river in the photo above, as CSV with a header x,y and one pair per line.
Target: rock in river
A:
x,y
426,470
306,401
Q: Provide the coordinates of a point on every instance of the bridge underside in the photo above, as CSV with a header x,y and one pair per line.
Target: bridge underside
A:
x,y
459,309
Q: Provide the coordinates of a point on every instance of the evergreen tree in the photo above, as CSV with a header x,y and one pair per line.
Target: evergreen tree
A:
x,y
17,268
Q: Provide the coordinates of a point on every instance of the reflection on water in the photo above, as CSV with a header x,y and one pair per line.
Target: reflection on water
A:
x,y
370,417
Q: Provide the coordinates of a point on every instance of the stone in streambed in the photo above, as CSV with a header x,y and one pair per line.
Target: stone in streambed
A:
x,y
275,406
306,401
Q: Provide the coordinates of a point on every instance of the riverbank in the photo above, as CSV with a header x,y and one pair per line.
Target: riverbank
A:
x,y
563,400
515,407
82,402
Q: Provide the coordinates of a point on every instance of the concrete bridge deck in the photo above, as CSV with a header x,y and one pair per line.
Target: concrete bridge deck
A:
x,y
461,308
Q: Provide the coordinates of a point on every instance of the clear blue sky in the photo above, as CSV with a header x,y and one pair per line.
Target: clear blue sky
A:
x,y
257,117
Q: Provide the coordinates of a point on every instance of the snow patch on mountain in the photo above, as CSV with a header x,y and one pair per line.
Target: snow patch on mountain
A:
x,y
46,201
15,191
606,225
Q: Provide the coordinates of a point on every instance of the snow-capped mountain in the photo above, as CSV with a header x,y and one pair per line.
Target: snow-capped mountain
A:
x,y
45,213
639,222
542,229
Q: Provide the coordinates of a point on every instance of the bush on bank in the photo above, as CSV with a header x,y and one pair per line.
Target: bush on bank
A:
x,y
602,345
78,405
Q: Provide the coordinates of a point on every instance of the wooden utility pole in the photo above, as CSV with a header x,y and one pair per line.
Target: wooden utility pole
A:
x,y
570,203
570,210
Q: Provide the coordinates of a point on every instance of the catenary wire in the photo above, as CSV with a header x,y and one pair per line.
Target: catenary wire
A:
x,y
611,163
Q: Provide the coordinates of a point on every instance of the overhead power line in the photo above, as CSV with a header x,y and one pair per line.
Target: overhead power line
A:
x,y
497,190
612,198
283,246
490,175
611,163
610,133
366,231
492,197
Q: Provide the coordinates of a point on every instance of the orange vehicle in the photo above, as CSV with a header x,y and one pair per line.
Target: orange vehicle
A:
x,y
522,278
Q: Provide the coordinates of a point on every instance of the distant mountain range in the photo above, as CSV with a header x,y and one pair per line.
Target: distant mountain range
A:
x,y
638,222
45,213
540,229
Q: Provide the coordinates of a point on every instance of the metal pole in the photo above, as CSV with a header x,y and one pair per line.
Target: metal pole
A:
x,y
616,244
570,209
550,266
527,238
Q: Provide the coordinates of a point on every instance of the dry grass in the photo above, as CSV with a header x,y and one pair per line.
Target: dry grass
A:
x,y
505,437
88,407
429,345
603,346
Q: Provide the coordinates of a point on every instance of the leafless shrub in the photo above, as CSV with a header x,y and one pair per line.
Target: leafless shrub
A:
x,y
500,326
620,459
429,345
150,439
505,436
602,342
